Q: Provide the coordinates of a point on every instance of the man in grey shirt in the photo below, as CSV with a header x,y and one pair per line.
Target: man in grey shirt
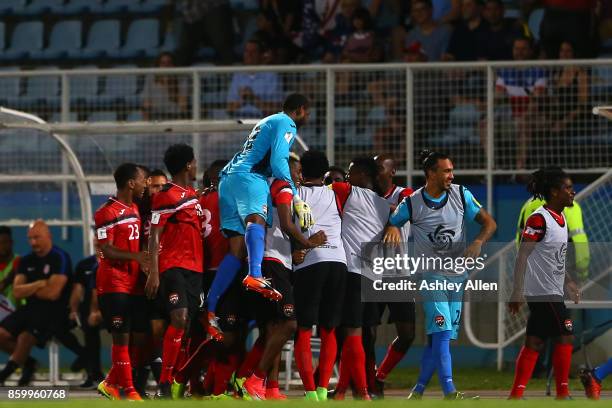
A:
x,y
433,37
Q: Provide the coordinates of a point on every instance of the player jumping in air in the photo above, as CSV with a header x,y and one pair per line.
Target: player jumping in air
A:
x,y
245,202
437,214
540,278
118,231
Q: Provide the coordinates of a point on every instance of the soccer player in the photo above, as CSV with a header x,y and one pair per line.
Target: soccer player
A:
x,y
244,197
591,379
364,216
118,232
402,314
278,319
333,175
437,213
175,248
319,279
540,278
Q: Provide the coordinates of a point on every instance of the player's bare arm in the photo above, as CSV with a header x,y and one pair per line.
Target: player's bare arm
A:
x,y
153,278
53,290
111,252
572,288
525,249
488,228
95,316
22,289
289,228
75,299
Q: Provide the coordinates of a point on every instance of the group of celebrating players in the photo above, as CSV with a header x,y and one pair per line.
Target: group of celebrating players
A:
x,y
276,239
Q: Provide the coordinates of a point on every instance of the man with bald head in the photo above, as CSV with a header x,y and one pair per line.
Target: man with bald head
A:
x,y
42,279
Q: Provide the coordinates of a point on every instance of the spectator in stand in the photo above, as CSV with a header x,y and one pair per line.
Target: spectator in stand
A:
x,y
390,139
361,45
9,264
446,11
254,94
336,38
567,19
209,22
318,21
498,44
165,96
43,279
570,94
278,23
523,88
432,36
80,310
470,34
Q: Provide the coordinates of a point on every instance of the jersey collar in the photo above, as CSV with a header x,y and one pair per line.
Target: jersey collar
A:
x,y
557,217
119,202
391,190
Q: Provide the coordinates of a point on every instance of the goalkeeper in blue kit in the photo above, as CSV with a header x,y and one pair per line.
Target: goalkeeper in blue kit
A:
x,y
245,202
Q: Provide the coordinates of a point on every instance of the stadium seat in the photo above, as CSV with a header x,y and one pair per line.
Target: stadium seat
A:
x,y
64,41
142,39
169,44
135,116
41,7
535,20
147,6
2,36
117,6
120,90
346,123
41,90
102,117
83,90
57,117
244,5
78,7
10,89
27,38
103,39
8,7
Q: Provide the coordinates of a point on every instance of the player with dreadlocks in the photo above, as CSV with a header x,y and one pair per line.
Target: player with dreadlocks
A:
x,y
540,278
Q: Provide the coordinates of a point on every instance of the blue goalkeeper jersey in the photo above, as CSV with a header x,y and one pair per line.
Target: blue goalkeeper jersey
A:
x,y
266,150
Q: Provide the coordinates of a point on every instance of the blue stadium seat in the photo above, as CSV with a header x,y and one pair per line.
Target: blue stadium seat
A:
x,y
8,7
120,90
40,7
142,39
244,5
148,6
64,41
10,89
83,90
135,116
117,6
57,117
103,39
27,38
169,44
43,90
345,123
78,7
102,117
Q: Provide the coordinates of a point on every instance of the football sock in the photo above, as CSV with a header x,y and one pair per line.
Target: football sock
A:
x,y
603,371
122,367
525,363
252,358
428,368
353,346
223,373
171,348
303,358
370,370
255,238
562,359
327,356
226,273
442,356
392,358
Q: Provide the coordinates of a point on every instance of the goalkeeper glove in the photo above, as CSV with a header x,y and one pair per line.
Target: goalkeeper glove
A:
x,y
303,212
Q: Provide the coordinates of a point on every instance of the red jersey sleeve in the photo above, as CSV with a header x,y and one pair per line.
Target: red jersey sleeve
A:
x,y
406,192
281,192
535,228
342,191
163,206
105,224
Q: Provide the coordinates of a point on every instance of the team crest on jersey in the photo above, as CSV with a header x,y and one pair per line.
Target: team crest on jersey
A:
x,y
569,326
117,321
439,320
231,319
173,298
46,269
101,233
288,136
441,238
288,310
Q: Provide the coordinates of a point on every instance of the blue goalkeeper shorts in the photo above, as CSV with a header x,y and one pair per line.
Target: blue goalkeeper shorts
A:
x,y
443,307
240,195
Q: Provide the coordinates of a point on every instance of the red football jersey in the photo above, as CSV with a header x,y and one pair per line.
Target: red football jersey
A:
x,y
118,225
215,244
177,210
